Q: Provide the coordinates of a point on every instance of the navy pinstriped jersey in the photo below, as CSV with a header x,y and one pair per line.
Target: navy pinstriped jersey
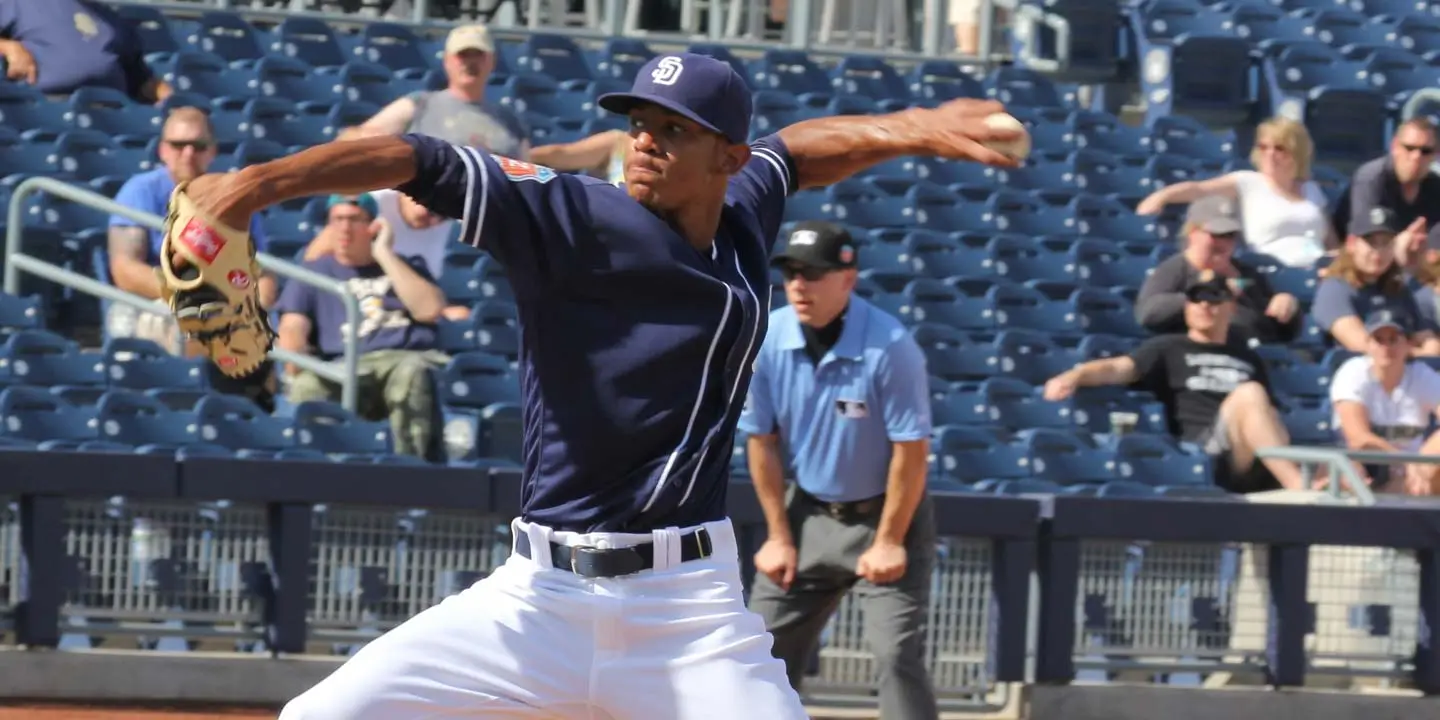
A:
x,y
636,348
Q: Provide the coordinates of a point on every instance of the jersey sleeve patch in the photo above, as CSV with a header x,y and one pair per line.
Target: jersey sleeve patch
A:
x,y
521,171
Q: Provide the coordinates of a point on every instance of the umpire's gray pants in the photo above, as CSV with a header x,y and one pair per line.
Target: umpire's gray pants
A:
x,y
895,615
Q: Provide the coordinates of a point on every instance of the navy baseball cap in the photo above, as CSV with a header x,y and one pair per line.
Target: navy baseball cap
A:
x,y
706,91
1385,318
1375,220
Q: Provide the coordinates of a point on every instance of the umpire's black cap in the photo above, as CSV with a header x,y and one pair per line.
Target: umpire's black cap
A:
x,y
819,244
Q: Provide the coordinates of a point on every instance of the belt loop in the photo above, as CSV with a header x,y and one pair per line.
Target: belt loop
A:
x,y
539,545
667,547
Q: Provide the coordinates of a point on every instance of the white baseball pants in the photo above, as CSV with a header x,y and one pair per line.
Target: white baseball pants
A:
x,y
531,641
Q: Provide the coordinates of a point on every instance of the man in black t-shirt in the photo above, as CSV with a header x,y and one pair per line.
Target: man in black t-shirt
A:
x,y
1216,395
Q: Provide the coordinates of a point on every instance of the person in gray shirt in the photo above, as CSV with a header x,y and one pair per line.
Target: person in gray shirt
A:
x,y
459,113
1212,230
1365,278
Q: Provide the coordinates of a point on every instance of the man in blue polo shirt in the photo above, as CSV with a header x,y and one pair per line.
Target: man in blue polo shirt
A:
x,y
60,46
844,387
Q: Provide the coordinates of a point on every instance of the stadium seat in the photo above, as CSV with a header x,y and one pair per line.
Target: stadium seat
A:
x,y
395,47
553,55
152,27
330,428
237,423
1314,82
19,313
873,78
496,330
620,59
308,40
126,416
140,364
42,358
1064,457
226,36
932,82
477,379
974,453
790,71
1031,355
953,355
1156,459
32,413
1193,63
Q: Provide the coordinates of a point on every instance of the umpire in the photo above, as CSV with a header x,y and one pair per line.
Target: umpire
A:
x,y
843,387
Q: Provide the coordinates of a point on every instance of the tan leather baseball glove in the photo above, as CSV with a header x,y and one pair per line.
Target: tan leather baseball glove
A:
x,y
215,298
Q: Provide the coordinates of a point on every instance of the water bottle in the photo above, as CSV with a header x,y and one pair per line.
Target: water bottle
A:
x,y
144,547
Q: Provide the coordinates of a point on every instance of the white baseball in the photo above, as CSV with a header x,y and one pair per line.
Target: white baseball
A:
x,y
1018,148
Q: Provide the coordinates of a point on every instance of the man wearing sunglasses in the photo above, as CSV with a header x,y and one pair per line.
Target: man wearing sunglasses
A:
x,y
186,148
1401,181
1212,231
1215,390
843,387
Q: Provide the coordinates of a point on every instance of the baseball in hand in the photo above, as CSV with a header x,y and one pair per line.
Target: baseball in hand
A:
x,y
1019,148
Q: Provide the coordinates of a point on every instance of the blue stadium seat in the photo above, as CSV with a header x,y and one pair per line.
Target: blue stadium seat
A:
x,y
1095,408
1182,135
1343,29
1105,313
1064,457
289,78
789,70
330,428
937,255
775,109
553,55
360,81
953,356
492,281
478,379
620,59
89,154
32,413
1346,116
1101,263
1308,420
1397,73
974,453
42,358
20,313
933,301
871,77
395,47
237,423
1023,87
282,122
133,418
310,41
226,36
541,95
1293,376
932,82
1104,132
141,364
26,110
496,329
936,208
1419,34
184,399
1156,459
1026,308
455,336
1095,48
1193,63
109,111
1018,405
151,27
1111,219
1032,356
205,74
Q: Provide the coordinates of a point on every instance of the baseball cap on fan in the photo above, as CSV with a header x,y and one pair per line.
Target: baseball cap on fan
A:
x,y
699,88
820,245
1385,318
1214,214
469,37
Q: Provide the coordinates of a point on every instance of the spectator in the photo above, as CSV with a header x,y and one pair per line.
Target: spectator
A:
x,y
418,233
1216,392
1212,229
459,113
399,304
186,148
60,46
843,388
1384,401
1283,211
1365,278
601,155
1401,181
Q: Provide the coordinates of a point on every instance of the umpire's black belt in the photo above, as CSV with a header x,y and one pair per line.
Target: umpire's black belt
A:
x,y
593,562
845,511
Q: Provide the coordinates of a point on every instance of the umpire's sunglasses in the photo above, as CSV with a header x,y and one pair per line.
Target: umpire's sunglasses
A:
x,y
809,273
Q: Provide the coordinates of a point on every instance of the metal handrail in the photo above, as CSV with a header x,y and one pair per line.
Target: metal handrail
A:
x,y
16,261
1341,465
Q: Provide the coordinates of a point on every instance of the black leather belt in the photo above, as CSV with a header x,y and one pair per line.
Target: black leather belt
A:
x,y
845,511
593,562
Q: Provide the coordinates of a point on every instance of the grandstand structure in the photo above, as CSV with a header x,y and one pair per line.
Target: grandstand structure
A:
x,y
118,454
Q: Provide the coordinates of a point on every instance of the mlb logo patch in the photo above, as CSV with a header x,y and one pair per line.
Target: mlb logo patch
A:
x,y
852,409
520,171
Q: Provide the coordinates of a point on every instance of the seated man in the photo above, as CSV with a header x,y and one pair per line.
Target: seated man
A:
x,y
1212,230
1216,392
399,304
60,46
1384,401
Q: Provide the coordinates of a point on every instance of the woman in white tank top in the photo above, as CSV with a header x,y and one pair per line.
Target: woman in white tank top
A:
x,y
1283,212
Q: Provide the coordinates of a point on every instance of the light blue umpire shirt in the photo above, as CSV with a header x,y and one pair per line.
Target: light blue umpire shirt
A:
x,y
837,421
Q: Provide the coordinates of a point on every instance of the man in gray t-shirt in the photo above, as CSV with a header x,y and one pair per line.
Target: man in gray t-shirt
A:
x,y
459,113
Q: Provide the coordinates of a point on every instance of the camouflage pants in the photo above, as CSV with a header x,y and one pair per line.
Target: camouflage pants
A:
x,y
394,384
